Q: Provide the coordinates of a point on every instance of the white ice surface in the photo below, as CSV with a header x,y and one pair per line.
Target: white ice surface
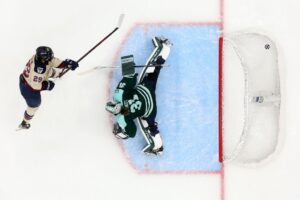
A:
x,y
70,154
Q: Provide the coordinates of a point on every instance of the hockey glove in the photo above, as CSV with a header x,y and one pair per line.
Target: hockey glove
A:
x,y
71,64
113,108
119,132
48,85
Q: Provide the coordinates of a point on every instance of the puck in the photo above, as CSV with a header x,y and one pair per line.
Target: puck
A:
x,y
267,46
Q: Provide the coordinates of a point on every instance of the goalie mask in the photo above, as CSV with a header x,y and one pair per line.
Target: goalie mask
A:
x,y
113,108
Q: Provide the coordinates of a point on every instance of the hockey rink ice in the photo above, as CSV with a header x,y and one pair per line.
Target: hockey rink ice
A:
x,y
70,153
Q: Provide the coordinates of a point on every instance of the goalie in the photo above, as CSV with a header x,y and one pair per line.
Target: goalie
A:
x,y
138,101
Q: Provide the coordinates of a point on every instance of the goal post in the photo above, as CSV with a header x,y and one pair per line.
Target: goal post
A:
x,y
250,98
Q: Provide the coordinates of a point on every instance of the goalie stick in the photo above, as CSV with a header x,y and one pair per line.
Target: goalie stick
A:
x,y
65,70
115,67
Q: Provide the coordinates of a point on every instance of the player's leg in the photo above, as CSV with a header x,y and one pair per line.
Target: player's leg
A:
x,y
33,101
161,52
155,135
149,77
28,115
157,57
152,135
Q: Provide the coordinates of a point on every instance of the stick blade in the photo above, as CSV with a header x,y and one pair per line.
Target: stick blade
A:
x,y
120,21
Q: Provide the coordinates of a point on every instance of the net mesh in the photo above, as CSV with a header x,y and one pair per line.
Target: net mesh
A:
x,y
251,98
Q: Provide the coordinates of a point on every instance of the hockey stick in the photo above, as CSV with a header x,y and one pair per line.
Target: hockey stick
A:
x,y
115,67
65,70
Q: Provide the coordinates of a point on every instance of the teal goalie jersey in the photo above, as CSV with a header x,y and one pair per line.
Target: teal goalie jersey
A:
x,y
136,100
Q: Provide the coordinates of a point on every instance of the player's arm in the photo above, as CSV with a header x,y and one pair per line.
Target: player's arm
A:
x,y
126,84
58,66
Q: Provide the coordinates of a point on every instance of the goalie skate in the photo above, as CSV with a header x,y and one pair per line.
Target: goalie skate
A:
x,y
155,145
150,151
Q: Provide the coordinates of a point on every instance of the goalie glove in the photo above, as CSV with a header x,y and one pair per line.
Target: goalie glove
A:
x,y
113,108
119,132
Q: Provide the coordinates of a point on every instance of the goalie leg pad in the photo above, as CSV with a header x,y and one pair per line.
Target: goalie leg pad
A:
x,y
156,148
160,53
118,132
153,139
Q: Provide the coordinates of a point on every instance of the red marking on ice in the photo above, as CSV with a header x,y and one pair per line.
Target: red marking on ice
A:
x,y
183,172
222,14
208,23
109,89
222,183
147,171
222,177
116,58
108,95
220,99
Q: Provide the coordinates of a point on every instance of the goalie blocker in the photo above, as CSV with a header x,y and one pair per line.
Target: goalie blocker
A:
x,y
137,100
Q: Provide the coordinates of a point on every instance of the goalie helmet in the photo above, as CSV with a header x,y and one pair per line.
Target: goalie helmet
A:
x,y
44,54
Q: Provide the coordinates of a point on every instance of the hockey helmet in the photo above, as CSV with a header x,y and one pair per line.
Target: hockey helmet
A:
x,y
44,54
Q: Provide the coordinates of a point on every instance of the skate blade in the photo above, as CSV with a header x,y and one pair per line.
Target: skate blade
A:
x,y
21,128
158,152
152,153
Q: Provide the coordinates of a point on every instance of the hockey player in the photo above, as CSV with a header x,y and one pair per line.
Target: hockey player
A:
x,y
35,78
138,101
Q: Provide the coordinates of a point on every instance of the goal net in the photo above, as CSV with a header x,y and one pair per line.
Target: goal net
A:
x,y
251,98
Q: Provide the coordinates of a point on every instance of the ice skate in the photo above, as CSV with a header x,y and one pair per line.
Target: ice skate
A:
x,y
150,151
156,147
164,40
118,132
23,126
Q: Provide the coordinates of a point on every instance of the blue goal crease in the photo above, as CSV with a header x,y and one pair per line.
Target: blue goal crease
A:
x,y
187,98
